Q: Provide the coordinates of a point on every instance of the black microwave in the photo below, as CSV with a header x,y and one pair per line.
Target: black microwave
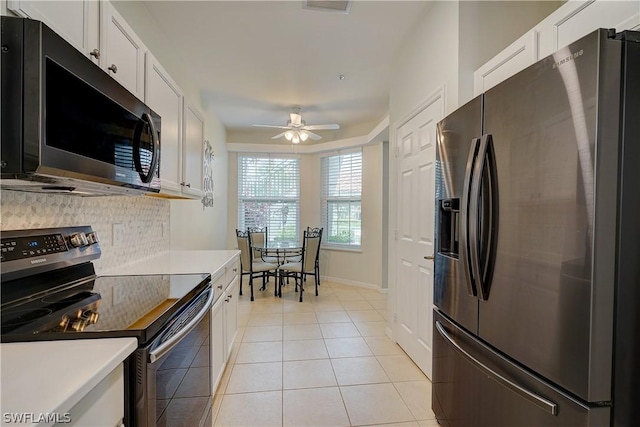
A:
x,y
66,125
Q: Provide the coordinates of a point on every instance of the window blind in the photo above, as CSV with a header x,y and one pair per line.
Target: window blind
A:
x,y
269,195
341,199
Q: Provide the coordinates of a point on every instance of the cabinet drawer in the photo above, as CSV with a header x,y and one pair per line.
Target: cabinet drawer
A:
x,y
231,272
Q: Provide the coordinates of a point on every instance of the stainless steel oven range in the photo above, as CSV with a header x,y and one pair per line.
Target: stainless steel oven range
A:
x,y
49,291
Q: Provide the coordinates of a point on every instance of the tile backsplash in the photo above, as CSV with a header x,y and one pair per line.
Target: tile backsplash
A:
x,y
144,221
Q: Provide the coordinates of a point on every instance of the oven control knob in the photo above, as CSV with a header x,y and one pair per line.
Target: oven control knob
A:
x,y
92,238
79,324
91,317
78,240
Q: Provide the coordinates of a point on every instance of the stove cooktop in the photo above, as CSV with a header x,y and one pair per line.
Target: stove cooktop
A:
x,y
113,306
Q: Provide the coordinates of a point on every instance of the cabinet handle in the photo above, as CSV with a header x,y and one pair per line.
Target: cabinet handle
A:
x,y
219,286
431,257
230,296
95,53
235,270
113,68
184,184
226,299
189,185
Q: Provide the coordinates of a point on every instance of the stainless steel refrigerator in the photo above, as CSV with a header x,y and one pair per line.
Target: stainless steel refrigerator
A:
x,y
537,265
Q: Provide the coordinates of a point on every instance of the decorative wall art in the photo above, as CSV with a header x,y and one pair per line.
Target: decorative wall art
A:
x,y
207,176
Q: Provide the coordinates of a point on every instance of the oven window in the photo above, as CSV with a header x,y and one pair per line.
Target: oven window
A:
x,y
83,121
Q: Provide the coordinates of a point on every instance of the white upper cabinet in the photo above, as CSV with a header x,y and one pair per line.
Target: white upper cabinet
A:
x,y
97,30
121,51
576,19
517,56
76,21
165,98
192,151
571,21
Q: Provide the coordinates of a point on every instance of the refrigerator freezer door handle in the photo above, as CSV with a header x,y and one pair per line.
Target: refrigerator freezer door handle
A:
x,y
464,220
541,402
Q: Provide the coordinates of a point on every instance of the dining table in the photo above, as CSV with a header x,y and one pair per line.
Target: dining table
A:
x,y
278,252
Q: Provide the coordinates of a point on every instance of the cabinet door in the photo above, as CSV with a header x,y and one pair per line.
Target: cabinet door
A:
x,y
231,315
576,19
517,56
75,21
165,98
103,406
218,347
193,151
122,52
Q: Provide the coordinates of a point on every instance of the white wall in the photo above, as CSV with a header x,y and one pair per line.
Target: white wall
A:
x,y
427,59
192,227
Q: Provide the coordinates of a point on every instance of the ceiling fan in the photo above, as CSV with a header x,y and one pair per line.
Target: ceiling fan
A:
x,y
298,130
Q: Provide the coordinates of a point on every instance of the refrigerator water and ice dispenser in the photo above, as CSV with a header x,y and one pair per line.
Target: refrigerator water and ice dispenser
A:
x,y
449,227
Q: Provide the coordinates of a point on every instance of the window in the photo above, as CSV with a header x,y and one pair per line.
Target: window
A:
x,y
341,199
269,195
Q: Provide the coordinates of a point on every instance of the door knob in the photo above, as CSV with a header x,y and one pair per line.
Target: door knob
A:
x,y
95,53
431,257
113,68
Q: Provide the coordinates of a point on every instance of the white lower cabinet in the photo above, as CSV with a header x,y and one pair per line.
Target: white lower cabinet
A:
x,y
218,346
231,317
224,319
103,406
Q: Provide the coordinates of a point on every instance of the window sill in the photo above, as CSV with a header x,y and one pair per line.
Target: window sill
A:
x,y
357,249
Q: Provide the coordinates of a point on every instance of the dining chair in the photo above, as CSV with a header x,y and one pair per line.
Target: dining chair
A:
x,y
317,230
307,264
250,267
260,236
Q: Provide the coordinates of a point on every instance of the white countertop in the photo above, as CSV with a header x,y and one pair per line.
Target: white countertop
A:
x,y
176,262
52,376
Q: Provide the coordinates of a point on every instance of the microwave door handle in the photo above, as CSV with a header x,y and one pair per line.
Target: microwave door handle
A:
x,y
155,149
464,220
168,345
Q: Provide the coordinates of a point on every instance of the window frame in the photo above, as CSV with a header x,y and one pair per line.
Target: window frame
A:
x,y
326,200
243,200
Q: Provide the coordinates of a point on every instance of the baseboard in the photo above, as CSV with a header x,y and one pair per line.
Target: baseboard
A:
x,y
354,283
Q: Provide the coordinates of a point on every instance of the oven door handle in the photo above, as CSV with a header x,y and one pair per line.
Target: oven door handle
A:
x,y
166,346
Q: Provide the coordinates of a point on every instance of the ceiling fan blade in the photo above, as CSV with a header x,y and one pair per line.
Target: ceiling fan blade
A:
x,y
280,135
271,126
313,136
321,127
296,119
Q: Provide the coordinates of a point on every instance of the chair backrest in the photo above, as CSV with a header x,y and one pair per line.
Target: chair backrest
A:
x,y
258,237
311,249
244,244
315,230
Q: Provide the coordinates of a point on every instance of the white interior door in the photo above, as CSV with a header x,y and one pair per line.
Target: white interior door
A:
x,y
416,154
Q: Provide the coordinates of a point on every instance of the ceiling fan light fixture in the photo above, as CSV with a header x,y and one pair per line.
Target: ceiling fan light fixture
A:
x,y
296,138
288,135
304,136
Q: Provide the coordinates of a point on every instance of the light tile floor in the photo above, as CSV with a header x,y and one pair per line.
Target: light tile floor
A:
x,y
324,362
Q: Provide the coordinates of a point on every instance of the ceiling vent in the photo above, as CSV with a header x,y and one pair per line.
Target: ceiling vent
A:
x,y
337,6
